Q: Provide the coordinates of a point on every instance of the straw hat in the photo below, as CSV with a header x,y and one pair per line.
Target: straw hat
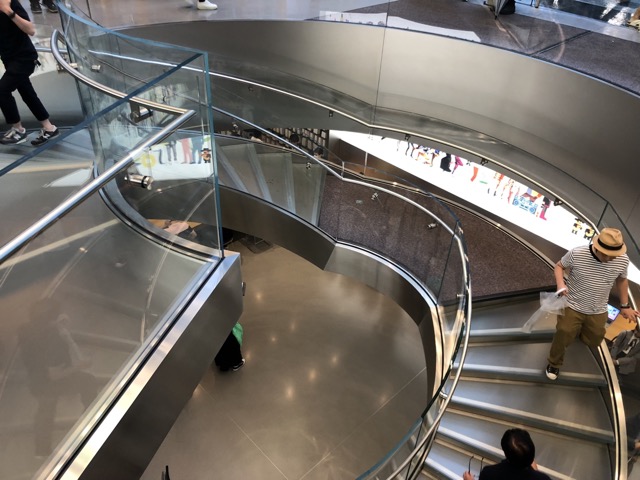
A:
x,y
609,241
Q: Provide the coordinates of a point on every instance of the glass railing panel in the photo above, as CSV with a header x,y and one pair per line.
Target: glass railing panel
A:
x,y
286,100
452,300
121,62
85,295
35,180
403,458
180,194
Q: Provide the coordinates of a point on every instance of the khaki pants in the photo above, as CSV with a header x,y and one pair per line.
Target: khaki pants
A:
x,y
589,327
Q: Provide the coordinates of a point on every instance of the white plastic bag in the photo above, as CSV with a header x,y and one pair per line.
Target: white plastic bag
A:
x,y
535,318
551,305
552,302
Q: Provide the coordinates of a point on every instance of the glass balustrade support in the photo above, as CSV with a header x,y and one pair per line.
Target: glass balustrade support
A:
x,y
77,198
57,53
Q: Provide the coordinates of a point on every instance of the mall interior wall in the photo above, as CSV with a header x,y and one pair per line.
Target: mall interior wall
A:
x,y
542,119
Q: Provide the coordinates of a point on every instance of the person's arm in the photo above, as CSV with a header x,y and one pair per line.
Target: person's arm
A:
x,y
626,311
558,272
23,24
467,476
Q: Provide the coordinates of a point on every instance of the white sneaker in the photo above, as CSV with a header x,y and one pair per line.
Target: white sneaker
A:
x,y
206,5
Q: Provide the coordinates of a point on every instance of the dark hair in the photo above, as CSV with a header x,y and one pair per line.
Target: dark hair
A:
x,y
518,447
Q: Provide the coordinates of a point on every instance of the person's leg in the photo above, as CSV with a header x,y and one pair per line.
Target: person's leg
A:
x,y
593,329
51,6
229,355
8,84
23,71
567,328
31,100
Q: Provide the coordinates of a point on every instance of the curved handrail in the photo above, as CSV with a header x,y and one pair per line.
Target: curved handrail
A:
x,y
55,36
144,102
96,184
455,234
335,111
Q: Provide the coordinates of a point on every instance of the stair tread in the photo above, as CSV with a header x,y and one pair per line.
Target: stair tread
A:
x,y
511,314
551,449
530,359
539,403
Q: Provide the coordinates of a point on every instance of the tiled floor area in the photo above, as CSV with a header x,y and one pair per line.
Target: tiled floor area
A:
x,y
326,390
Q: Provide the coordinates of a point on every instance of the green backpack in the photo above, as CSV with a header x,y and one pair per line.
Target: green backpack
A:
x,y
237,332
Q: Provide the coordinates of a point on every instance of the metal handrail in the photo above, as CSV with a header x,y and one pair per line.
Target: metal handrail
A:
x,y
165,108
77,198
103,88
109,91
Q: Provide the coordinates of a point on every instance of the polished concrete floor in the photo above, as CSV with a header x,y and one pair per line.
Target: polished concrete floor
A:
x,y
326,390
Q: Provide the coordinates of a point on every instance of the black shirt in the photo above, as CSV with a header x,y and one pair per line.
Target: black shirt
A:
x,y
505,471
14,43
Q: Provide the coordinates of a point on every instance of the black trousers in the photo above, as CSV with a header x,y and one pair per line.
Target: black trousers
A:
x,y
16,77
229,355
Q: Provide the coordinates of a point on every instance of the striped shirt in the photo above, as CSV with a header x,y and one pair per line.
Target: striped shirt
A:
x,y
589,281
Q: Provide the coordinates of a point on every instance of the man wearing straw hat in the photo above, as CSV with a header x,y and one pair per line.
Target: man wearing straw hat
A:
x,y
591,271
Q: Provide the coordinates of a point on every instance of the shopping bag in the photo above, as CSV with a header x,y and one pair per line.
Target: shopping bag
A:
x,y
538,315
553,302
551,305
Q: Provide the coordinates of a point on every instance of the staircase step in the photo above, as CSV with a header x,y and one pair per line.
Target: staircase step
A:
x,y
481,435
541,405
510,314
526,361
448,463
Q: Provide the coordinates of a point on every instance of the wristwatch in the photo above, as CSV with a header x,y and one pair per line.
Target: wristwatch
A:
x,y
11,15
625,305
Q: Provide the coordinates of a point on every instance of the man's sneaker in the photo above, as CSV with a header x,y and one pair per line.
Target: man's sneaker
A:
x,y
36,8
51,6
237,367
552,372
45,137
206,5
13,136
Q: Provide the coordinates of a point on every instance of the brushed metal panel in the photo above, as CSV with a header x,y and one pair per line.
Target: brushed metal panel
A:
x,y
527,114
126,440
253,216
383,277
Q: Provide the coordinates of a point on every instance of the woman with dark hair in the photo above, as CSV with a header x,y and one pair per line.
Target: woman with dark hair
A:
x,y
519,462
